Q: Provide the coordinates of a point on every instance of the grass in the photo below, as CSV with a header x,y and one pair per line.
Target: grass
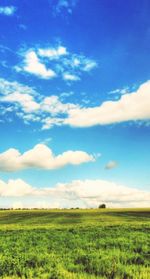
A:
x,y
75,244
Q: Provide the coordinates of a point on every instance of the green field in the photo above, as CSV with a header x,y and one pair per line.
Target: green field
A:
x,y
72,244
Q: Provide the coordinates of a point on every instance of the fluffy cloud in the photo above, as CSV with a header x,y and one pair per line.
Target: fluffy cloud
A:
x,y
111,165
41,156
26,101
7,10
54,106
57,61
93,192
18,95
87,193
51,110
131,106
33,65
31,106
15,188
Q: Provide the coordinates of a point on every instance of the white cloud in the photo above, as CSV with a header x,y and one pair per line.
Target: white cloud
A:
x,y
17,94
54,106
93,192
121,91
8,87
15,188
82,193
28,117
49,122
7,10
55,61
78,63
41,156
132,106
70,77
31,106
50,111
26,101
111,165
33,65
89,65
66,94
52,53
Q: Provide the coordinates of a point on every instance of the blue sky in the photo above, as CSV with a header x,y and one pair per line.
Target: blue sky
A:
x,y
74,103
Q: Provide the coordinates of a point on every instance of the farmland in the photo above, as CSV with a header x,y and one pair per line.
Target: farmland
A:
x,y
75,244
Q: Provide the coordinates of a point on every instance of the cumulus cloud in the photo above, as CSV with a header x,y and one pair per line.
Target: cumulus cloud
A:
x,y
7,10
50,62
41,156
131,106
111,165
33,65
15,188
83,193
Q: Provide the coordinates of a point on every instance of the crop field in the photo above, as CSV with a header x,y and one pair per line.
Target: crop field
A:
x,y
75,244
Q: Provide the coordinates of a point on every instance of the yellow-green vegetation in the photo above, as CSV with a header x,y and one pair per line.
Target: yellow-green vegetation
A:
x,y
75,244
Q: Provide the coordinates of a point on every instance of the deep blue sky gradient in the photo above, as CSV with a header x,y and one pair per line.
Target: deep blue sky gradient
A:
x,y
116,34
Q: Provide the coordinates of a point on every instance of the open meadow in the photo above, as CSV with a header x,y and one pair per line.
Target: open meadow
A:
x,y
72,244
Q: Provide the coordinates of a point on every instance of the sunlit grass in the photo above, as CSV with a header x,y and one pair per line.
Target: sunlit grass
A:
x,y
51,244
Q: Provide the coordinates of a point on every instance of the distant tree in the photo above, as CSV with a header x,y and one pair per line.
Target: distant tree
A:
x,y
103,205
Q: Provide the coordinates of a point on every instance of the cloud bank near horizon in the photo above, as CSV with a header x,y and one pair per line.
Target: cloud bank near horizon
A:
x,y
77,193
